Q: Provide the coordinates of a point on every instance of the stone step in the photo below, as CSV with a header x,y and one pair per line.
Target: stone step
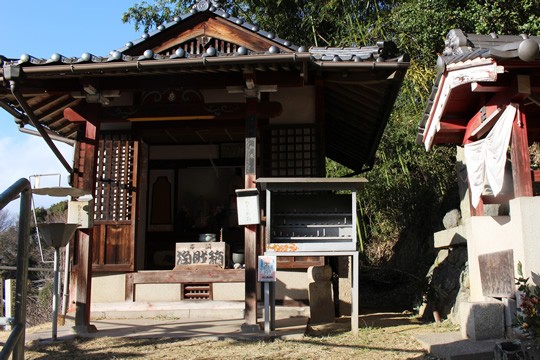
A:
x,y
452,346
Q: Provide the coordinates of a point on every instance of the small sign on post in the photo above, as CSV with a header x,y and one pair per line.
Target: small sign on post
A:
x,y
267,269
247,203
267,275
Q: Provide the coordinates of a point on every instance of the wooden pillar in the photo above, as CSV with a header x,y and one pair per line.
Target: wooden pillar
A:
x,y
321,125
84,273
521,162
519,147
83,279
250,231
83,178
521,165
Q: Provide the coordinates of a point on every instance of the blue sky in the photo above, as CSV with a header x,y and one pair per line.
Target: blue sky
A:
x,y
41,28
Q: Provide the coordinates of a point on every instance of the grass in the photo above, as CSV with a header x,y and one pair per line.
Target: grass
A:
x,y
381,336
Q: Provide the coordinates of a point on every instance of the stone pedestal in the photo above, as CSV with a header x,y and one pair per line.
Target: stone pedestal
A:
x,y
482,320
321,303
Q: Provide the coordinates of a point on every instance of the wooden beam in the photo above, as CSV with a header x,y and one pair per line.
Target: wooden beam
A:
x,y
499,199
476,121
519,152
190,111
449,138
494,105
73,116
181,276
504,81
487,124
487,87
452,126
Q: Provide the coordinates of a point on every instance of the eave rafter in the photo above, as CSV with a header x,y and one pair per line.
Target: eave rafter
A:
x,y
453,125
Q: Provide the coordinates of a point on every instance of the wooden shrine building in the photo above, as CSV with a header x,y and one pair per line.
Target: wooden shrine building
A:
x,y
167,127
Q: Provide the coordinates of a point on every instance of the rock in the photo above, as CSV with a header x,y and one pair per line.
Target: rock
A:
x,y
452,219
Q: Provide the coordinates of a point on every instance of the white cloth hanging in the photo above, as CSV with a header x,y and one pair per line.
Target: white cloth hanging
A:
x,y
486,158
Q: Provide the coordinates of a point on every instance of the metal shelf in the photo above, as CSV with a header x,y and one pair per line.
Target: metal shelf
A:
x,y
304,238
303,226
334,214
311,214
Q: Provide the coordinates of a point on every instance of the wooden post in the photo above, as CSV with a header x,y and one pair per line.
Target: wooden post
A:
x,y
83,281
250,231
521,165
321,126
83,178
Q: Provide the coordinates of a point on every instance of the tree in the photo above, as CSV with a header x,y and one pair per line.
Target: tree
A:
x,y
304,22
6,220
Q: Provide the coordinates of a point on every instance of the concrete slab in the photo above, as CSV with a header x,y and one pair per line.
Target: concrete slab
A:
x,y
214,329
185,310
184,319
452,346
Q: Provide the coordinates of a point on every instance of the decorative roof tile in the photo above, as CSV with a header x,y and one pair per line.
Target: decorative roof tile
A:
x,y
461,46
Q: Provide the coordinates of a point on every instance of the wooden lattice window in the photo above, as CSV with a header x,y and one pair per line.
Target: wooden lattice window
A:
x,y
114,199
114,178
292,151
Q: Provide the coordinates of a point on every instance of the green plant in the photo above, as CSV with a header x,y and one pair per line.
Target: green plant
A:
x,y
528,316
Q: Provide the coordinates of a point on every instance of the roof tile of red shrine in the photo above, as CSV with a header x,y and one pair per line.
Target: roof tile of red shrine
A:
x,y
464,51
210,47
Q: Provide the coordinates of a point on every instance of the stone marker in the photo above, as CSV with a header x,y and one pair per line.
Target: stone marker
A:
x,y
482,320
321,305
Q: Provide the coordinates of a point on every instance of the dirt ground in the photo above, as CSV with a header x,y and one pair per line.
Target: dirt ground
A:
x,y
381,336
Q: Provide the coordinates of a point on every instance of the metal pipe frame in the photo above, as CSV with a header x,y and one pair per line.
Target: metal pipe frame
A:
x,y
55,137
355,259
15,341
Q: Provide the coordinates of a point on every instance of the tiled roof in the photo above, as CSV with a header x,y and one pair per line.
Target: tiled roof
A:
x,y
361,83
383,51
461,46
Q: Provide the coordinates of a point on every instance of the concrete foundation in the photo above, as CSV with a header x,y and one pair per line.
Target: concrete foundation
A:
x,y
518,232
110,288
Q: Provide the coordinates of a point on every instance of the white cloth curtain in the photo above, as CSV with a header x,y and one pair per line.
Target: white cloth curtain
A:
x,y
486,158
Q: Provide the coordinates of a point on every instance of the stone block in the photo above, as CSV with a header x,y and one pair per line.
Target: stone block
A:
x,y
319,273
482,320
321,305
450,237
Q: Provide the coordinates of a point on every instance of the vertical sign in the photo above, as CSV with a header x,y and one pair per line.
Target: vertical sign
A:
x,y
267,269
